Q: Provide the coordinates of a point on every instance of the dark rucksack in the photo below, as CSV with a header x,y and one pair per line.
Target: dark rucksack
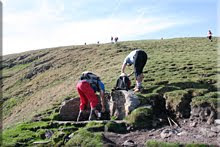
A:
x,y
123,83
91,78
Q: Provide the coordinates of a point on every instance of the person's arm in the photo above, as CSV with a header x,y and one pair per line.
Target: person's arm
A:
x,y
123,68
102,95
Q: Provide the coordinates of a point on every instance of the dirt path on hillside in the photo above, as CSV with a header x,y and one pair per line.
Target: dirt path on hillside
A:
x,y
189,132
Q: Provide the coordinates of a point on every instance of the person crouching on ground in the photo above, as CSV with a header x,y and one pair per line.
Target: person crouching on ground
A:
x,y
87,87
138,58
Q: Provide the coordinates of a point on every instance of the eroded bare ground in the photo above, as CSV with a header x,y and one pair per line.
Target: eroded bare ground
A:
x,y
188,132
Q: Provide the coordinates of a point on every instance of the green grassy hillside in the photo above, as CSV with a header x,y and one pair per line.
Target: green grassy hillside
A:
x,y
36,81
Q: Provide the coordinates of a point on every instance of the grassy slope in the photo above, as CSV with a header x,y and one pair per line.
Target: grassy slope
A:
x,y
180,63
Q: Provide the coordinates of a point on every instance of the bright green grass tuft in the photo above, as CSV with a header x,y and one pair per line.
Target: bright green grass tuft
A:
x,y
140,117
82,137
23,133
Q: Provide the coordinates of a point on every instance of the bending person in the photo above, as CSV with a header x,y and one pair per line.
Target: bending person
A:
x,y
138,58
86,87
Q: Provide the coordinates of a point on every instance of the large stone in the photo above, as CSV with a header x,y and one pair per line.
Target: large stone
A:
x,y
122,102
166,133
70,109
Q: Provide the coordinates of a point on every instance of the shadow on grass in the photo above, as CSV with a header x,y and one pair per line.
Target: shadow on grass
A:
x,y
161,89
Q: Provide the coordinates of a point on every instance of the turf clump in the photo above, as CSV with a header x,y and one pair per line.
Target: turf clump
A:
x,y
82,137
140,117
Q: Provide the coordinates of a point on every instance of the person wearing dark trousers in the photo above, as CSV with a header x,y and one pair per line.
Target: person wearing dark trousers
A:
x,y
138,58
209,35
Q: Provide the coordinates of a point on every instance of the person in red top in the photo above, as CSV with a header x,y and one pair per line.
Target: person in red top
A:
x,y
86,87
210,35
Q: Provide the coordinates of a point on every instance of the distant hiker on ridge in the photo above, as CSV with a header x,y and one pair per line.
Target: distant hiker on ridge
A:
x,y
111,39
87,86
139,58
116,39
210,35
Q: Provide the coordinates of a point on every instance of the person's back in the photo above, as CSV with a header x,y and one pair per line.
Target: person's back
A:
x,y
138,58
88,84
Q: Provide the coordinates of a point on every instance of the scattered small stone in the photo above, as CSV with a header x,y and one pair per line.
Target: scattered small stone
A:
x,y
129,143
42,142
184,121
152,130
211,134
160,120
71,135
217,121
166,133
193,124
151,134
216,129
204,131
183,133
207,132
175,131
130,128
210,121
49,134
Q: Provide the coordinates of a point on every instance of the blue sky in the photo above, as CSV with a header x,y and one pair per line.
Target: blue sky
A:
x,y
36,24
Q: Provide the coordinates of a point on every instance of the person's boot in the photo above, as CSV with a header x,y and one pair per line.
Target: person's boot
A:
x,y
94,114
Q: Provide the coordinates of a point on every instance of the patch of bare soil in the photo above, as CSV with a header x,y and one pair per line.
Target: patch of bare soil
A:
x,y
187,132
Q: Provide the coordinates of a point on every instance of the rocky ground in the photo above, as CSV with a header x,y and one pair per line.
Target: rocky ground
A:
x,y
188,132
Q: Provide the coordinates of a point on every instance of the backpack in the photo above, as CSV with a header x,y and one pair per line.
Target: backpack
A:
x,y
92,79
123,83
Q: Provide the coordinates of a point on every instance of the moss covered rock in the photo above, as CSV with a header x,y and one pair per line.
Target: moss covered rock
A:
x,y
82,137
140,117
112,126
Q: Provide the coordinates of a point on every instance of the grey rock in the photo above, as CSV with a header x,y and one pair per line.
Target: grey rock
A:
x,y
71,135
204,131
69,109
166,133
122,102
183,133
42,142
217,121
215,129
211,134
193,124
48,134
129,143
207,132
